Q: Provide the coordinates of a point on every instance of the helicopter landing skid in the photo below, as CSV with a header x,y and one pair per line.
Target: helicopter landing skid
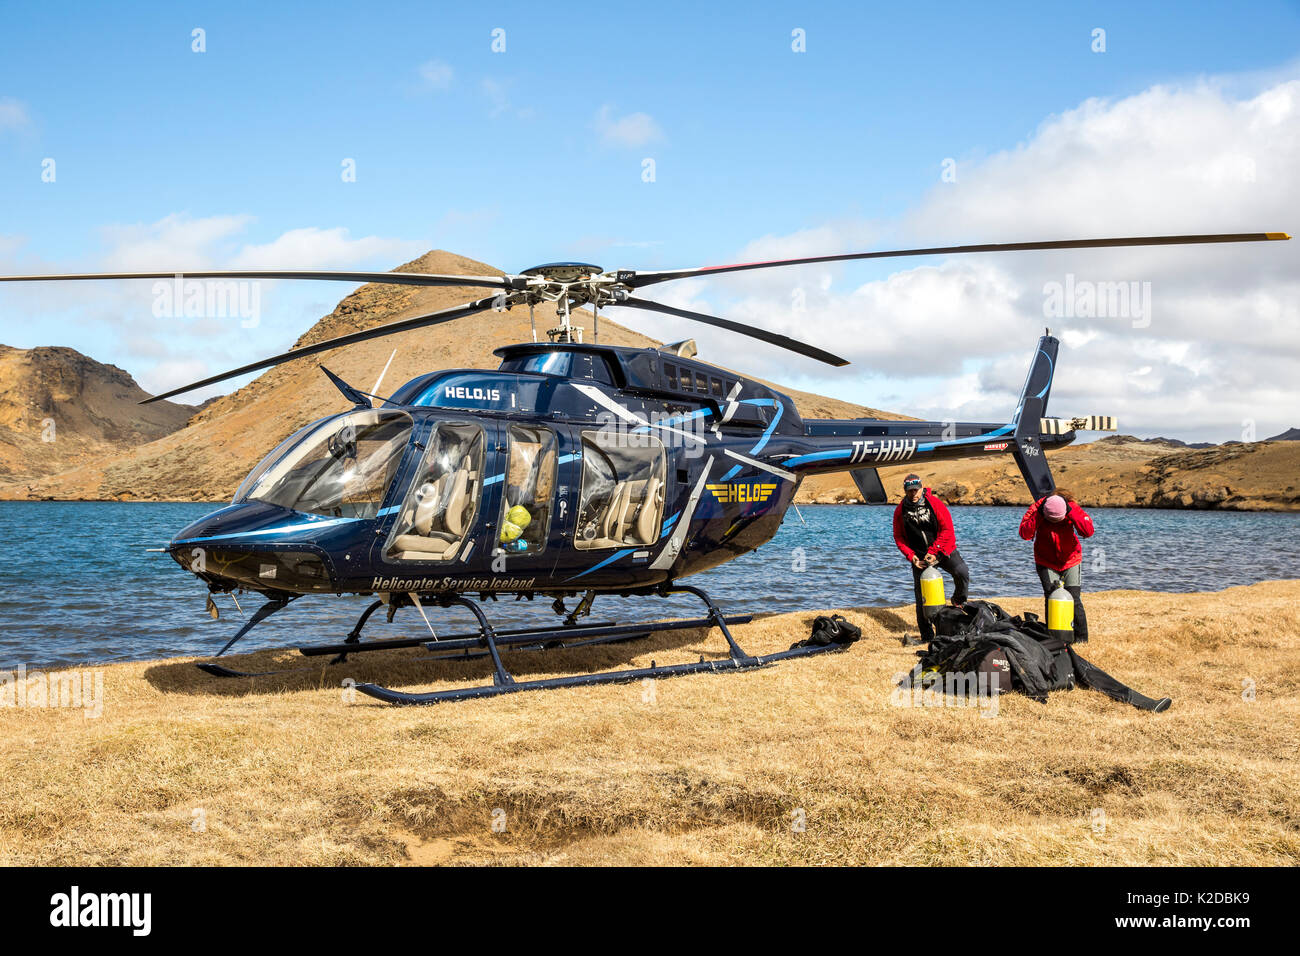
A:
x,y
465,654
469,646
503,683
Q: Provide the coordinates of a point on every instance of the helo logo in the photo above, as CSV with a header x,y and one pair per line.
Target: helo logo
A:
x,y
742,493
475,394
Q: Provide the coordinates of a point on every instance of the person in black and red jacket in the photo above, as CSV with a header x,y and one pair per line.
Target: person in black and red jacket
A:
x,y
1055,524
924,534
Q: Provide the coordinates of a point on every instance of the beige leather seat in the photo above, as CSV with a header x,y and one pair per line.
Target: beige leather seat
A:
x,y
440,521
647,519
632,515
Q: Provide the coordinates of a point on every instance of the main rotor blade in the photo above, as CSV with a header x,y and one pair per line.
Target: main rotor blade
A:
x,y
772,338
635,280
404,325
386,278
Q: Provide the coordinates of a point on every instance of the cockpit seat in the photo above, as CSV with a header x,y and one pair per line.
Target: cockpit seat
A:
x,y
441,519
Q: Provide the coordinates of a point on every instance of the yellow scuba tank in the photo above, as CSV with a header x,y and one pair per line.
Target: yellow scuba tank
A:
x,y
932,596
1060,614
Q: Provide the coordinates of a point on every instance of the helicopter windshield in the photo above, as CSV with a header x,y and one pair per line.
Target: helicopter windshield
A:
x,y
341,469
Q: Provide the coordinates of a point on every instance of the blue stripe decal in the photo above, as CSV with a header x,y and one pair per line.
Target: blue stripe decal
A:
x,y
565,459
676,420
283,529
494,479
389,510
768,434
596,567
816,456
973,440
668,526
1049,373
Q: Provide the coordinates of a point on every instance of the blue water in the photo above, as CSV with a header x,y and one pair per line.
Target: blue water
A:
x,y
77,584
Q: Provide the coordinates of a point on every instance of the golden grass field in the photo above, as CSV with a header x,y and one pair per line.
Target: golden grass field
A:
x,y
703,770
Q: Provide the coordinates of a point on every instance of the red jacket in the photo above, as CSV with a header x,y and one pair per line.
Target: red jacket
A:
x,y
944,543
1056,545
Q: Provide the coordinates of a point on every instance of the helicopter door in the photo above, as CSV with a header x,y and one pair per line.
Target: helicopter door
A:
x,y
532,513
438,521
621,504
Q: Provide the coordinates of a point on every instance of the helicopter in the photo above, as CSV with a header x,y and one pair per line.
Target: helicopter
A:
x,y
573,468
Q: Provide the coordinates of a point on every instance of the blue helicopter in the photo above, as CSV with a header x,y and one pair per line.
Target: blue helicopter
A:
x,y
573,468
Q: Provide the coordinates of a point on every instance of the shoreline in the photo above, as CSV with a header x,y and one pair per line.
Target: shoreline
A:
x,y
802,504
706,769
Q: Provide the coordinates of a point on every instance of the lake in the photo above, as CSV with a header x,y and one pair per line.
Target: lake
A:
x,y
77,584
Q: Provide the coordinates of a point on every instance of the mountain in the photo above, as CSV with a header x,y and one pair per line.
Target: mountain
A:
x,y
60,409
226,437
1115,472
1291,434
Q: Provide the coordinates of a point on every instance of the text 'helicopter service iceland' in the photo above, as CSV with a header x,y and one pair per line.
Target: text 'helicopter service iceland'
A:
x,y
572,468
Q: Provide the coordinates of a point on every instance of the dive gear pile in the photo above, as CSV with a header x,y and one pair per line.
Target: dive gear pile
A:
x,y
981,637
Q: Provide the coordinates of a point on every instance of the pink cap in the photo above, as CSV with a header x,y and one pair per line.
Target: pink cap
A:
x,y
1054,507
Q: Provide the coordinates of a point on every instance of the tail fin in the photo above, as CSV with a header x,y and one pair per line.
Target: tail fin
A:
x,y
1028,451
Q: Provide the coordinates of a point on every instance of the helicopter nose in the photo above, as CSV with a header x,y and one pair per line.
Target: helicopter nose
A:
x,y
249,545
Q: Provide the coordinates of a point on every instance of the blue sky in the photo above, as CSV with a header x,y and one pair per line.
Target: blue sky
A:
x,y
536,153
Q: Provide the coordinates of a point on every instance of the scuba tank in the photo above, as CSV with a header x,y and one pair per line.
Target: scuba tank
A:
x,y
1060,614
932,590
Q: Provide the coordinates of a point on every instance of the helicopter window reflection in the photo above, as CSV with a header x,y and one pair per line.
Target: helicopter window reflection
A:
x,y
342,469
530,483
440,507
622,499
265,464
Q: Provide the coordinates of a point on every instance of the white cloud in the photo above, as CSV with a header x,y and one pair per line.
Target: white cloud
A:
x,y
313,248
436,75
115,321
13,114
634,129
1222,345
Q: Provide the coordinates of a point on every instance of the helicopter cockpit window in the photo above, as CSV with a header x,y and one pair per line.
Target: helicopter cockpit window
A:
x,y
561,362
265,464
622,498
530,486
341,469
439,510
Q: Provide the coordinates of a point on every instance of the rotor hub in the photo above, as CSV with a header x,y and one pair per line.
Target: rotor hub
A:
x,y
564,271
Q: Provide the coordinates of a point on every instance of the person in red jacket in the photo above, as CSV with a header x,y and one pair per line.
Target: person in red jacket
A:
x,y
1055,524
924,534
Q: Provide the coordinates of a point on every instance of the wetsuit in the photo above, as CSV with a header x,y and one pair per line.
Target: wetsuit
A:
x,y
924,527
1059,555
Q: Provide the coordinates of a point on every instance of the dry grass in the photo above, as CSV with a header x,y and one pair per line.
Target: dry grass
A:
x,y
711,771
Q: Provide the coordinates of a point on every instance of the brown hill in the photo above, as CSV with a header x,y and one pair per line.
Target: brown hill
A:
x,y
60,409
1119,472
224,440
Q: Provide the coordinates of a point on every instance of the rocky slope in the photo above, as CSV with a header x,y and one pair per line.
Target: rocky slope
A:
x,y
60,409
1119,472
